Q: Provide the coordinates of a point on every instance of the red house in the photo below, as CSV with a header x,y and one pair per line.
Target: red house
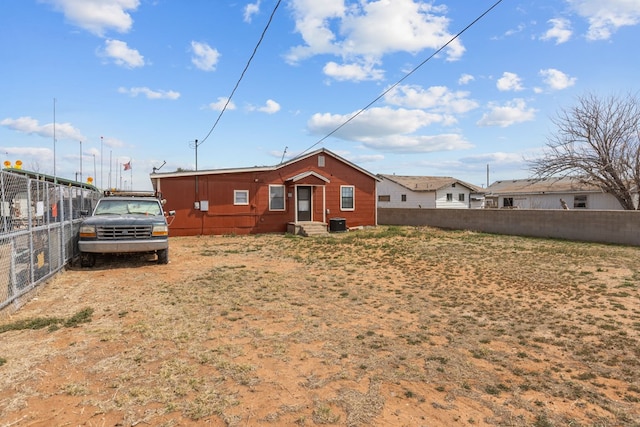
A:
x,y
316,188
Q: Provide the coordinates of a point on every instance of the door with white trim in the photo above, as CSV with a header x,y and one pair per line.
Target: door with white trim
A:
x,y
303,194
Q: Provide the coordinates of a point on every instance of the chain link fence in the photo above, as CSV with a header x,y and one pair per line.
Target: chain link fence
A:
x,y
39,221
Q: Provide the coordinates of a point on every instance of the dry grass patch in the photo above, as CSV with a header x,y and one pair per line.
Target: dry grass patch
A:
x,y
388,326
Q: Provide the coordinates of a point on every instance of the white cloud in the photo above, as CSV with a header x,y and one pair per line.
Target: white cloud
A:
x,y
38,152
270,107
560,30
509,81
465,79
363,158
204,56
375,121
510,32
113,142
416,26
219,105
362,33
389,129
606,17
556,79
353,72
499,158
30,125
510,113
98,16
250,10
313,21
435,98
513,31
150,94
418,143
122,54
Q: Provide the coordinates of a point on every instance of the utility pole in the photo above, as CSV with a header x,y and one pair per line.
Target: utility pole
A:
x,y
101,165
54,142
487,175
80,161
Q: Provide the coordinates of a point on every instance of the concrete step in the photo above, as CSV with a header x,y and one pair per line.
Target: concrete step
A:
x,y
314,229
308,229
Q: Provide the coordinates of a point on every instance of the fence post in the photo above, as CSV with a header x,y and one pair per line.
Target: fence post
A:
x,y
5,211
13,277
32,275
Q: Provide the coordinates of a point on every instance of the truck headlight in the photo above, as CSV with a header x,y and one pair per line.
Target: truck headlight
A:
x,y
160,230
88,231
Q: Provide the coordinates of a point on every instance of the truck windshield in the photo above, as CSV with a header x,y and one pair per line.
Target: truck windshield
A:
x,y
123,207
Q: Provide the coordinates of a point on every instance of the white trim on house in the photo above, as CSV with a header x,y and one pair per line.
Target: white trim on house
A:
x,y
284,197
236,193
304,175
353,198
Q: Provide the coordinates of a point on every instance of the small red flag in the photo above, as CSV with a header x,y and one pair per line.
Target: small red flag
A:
x,y
127,165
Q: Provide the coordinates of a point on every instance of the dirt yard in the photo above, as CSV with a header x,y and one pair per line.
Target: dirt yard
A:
x,y
384,327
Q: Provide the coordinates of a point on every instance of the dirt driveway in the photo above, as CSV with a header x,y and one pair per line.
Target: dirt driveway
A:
x,y
389,326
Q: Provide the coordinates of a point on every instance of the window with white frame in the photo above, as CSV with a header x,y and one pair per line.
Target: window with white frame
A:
x,y
461,197
347,196
276,197
449,197
240,197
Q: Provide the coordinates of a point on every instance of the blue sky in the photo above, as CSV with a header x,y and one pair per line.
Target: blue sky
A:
x,y
141,80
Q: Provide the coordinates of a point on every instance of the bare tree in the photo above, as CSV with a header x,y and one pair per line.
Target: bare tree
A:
x,y
598,142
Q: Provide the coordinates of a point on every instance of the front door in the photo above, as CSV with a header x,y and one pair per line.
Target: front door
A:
x,y
304,203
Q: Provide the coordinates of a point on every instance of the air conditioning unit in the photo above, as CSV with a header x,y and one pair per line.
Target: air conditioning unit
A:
x,y
337,225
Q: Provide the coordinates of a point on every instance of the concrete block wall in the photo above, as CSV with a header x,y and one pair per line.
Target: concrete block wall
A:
x,y
618,227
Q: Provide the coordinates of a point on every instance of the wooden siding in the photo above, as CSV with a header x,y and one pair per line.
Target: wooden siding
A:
x,y
223,217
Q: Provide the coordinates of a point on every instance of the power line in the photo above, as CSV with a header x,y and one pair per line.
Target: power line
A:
x,y
362,110
246,67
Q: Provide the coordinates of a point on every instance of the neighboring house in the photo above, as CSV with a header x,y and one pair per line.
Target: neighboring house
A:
x,y
396,191
548,193
319,187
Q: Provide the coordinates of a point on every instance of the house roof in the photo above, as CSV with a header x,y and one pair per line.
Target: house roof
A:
x,y
261,168
541,186
427,183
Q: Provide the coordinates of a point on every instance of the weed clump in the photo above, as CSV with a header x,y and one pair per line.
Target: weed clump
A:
x,y
53,323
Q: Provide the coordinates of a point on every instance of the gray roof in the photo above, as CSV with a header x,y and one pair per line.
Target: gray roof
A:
x,y
541,186
428,183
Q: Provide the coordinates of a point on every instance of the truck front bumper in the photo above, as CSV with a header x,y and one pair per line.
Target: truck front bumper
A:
x,y
122,246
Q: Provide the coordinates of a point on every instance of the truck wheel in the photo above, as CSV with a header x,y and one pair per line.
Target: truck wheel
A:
x,y
163,256
87,259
